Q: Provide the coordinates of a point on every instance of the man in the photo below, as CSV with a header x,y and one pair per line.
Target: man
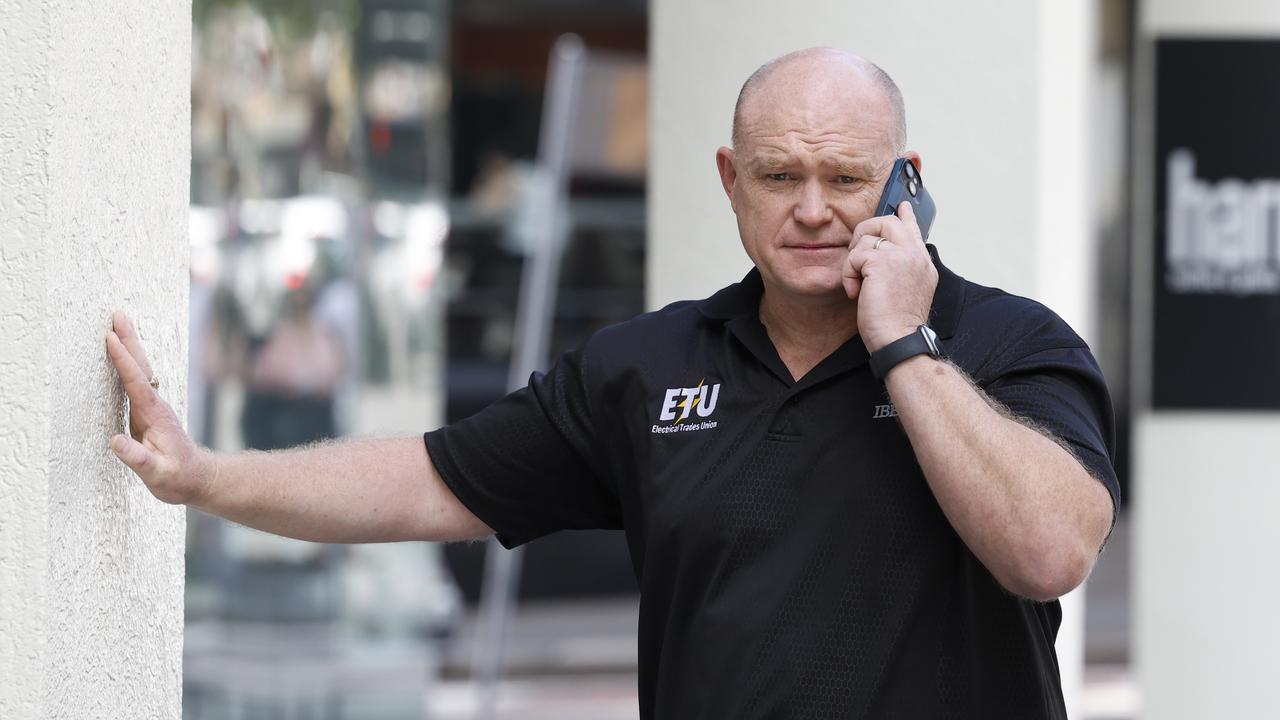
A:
x,y
801,552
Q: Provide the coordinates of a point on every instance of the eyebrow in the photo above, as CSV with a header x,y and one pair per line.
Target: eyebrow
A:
x,y
770,159
841,165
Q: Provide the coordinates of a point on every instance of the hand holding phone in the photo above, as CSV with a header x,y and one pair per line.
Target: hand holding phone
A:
x,y
906,185
891,276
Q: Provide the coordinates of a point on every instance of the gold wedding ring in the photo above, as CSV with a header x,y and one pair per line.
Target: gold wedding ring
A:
x,y
877,245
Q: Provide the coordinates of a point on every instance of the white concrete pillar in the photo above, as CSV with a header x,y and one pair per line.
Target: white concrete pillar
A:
x,y
94,165
997,103
1208,501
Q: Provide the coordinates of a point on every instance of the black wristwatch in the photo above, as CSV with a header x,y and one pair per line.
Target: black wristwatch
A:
x,y
924,341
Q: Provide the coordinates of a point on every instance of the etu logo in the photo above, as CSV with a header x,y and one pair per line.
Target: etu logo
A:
x,y
679,403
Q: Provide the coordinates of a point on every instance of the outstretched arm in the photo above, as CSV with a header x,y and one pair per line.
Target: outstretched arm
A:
x,y
374,490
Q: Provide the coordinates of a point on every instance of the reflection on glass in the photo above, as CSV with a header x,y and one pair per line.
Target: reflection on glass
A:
x,y
360,203
309,321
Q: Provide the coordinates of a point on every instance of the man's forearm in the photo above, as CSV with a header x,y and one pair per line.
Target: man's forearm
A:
x,y
355,491
1025,507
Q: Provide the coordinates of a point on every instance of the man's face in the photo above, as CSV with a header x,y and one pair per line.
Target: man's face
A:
x,y
814,153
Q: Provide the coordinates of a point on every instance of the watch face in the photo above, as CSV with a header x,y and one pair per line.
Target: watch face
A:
x,y
931,338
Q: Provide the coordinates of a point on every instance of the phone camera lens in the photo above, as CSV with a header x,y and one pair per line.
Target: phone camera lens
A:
x,y
911,188
910,169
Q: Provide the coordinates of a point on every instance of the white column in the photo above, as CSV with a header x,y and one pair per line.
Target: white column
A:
x,y
94,164
997,103
1206,526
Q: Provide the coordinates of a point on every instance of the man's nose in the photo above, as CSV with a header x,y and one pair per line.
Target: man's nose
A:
x,y
812,208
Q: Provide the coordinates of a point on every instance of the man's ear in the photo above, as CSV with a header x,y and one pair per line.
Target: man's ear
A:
x,y
914,157
728,174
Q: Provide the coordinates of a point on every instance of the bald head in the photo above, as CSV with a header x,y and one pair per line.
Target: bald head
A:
x,y
820,60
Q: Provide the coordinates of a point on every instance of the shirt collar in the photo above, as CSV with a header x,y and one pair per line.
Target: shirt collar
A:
x,y
743,298
736,300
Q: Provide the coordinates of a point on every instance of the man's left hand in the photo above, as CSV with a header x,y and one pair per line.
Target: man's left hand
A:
x,y
892,282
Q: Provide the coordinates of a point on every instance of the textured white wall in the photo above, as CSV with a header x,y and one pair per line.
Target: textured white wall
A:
x,y
1206,529
24,416
94,163
997,103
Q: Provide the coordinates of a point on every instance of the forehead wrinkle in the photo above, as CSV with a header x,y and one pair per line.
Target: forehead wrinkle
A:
x,y
792,145
813,134
825,139
812,137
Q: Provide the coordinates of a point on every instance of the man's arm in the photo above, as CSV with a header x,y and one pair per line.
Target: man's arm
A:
x,y
376,490
1022,504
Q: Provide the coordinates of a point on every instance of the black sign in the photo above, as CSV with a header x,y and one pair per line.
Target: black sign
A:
x,y
1217,244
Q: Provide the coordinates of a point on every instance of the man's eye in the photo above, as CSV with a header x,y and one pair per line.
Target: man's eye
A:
x,y
779,177
846,179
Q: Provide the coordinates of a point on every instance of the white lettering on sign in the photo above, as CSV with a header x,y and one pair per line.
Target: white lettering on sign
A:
x,y
1223,236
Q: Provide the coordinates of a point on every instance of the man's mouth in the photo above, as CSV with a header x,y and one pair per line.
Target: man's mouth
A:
x,y
812,247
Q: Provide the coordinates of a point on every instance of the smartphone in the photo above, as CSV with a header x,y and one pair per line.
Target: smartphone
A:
x,y
905,184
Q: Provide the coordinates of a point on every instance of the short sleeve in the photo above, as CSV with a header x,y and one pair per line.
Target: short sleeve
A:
x,y
527,465
1061,390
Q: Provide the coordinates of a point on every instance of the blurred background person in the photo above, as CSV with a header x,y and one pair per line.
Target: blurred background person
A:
x,y
293,375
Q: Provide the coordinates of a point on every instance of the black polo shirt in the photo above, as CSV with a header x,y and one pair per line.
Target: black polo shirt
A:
x,y
792,560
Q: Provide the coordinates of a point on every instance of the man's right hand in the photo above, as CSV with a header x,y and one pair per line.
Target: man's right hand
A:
x,y
371,490
174,468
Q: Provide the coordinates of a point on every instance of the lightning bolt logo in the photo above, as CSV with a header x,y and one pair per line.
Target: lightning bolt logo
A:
x,y
696,399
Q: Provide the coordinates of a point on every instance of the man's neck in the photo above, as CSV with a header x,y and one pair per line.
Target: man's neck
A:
x,y
805,330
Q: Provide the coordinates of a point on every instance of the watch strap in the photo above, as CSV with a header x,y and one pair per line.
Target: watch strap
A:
x,y
916,343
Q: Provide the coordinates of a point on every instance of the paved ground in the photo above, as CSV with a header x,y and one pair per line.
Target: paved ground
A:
x,y
562,638
596,697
